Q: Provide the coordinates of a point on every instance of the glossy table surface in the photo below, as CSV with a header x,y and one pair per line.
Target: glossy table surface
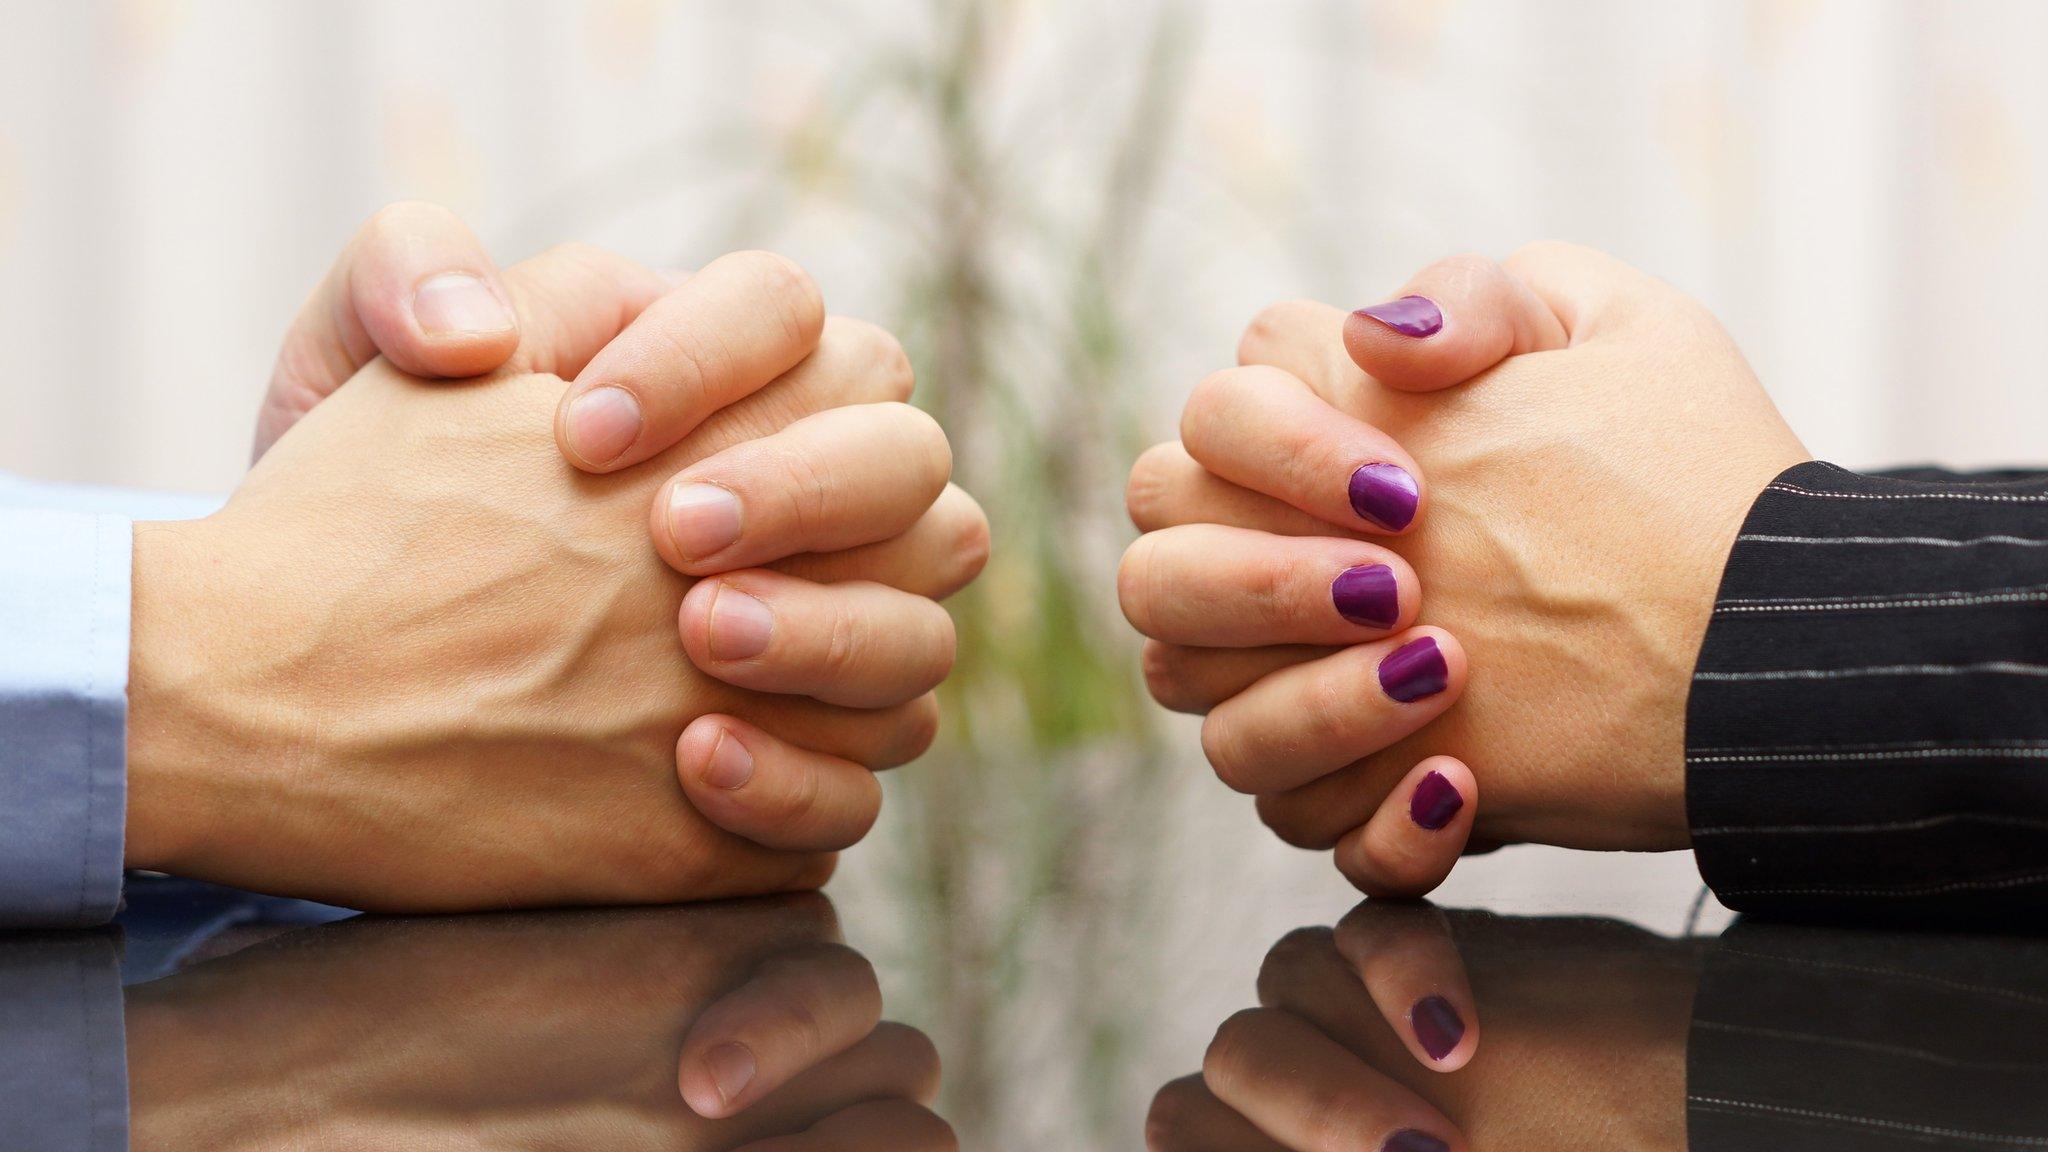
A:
x,y
1649,1019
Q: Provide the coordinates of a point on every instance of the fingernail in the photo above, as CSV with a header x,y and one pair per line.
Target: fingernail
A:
x,y
1368,595
732,1069
603,423
730,764
457,302
1436,1025
1413,1140
1414,670
703,519
1384,494
1436,800
740,625
1416,316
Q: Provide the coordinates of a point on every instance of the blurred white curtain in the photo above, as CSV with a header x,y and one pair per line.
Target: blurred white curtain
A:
x,y
1854,185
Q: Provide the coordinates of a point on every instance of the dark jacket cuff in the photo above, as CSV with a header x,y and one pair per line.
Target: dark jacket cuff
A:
x,y
1868,726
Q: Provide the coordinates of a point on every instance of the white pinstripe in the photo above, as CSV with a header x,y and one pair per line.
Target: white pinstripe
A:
x,y
1886,826
1926,541
1906,600
1871,1122
1958,752
1988,497
1988,668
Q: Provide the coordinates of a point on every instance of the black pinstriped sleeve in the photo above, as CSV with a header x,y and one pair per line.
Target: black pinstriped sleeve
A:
x,y
1868,726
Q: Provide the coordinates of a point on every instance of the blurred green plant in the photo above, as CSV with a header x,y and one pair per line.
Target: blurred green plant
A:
x,y
1030,834
1001,162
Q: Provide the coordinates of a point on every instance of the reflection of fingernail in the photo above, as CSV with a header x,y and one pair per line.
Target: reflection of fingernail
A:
x,y
1411,1140
603,423
1437,1026
740,625
1416,316
732,1069
1384,494
1436,800
1414,670
703,519
1368,595
730,764
457,303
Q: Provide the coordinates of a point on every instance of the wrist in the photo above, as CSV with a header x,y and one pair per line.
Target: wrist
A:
x,y
170,813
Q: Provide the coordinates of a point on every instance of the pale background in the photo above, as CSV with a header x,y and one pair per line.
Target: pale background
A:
x,y
1853,186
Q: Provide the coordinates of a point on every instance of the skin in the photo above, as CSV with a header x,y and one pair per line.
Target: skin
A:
x,y
1587,474
564,1030
1587,1024
335,691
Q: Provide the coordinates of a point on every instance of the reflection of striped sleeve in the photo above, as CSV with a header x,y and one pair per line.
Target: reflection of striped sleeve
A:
x,y
1868,726
1824,1038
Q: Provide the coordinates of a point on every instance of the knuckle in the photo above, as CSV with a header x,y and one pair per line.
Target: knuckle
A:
x,y
1147,494
1288,819
1234,1042
891,364
916,729
1134,578
1274,324
1268,587
403,217
846,647
1223,744
1209,403
973,540
809,494
1166,677
927,444
794,290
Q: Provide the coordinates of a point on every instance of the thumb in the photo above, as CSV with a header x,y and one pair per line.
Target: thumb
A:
x,y
413,286
1456,319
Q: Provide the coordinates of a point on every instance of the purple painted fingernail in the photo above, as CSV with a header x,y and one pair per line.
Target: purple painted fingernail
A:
x,y
1416,316
1415,670
1384,494
1414,1140
1436,800
1437,1026
1368,595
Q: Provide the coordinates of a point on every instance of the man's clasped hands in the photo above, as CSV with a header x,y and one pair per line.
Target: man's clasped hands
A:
x,y
426,657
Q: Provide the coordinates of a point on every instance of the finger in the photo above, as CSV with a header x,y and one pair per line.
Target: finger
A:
x,y
733,326
1415,838
837,479
875,737
1310,720
1262,429
893,1062
1196,680
1168,488
1305,339
772,792
855,363
794,1011
1186,1117
414,286
870,1126
940,554
1306,1091
856,644
1411,967
1587,290
573,300
1218,587
1454,320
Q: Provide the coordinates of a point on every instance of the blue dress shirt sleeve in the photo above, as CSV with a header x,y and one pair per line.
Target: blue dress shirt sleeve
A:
x,y
63,1056
65,557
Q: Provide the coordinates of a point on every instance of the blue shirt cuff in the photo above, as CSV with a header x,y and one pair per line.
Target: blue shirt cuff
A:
x,y
64,608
